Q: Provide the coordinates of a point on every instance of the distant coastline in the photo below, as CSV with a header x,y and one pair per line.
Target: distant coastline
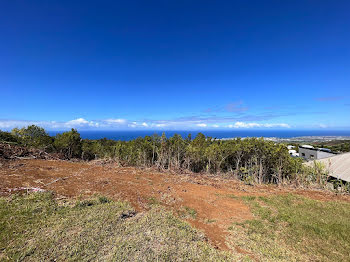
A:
x,y
275,135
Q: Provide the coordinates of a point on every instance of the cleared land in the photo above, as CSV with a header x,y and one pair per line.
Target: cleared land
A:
x,y
251,222
42,229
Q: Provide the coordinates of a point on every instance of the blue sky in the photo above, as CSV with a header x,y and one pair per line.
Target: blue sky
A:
x,y
175,64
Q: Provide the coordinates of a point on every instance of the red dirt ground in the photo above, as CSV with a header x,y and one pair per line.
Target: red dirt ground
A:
x,y
214,199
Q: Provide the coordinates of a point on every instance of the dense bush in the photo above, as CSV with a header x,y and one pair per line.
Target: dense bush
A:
x,y
8,137
33,136
69,143
253,160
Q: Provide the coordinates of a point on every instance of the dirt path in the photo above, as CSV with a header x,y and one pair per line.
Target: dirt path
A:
x,y
209,204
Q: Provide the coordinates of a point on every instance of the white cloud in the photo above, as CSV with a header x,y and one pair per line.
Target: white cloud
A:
x,y
279,125
160,125
75,123
5,124
138,124
118,123
78,121
115,121
81,122
244,125
252,125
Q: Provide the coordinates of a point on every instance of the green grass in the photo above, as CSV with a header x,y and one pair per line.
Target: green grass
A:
x,y
209,221
35,227
191,212
153,201
294,228
187,213
248,198
233,196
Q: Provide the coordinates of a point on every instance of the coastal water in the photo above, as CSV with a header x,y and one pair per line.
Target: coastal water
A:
x,y
129,135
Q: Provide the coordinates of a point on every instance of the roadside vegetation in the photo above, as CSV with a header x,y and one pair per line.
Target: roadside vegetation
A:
x,y
295,228
36,227
252,160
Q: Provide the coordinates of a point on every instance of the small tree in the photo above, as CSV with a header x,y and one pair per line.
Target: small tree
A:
x,y
34,136
69,143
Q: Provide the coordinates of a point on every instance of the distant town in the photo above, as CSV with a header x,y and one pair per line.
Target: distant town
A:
x,y
302,138
308,138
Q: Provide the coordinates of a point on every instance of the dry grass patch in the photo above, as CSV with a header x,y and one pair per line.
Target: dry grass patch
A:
x,y
294,228
36,227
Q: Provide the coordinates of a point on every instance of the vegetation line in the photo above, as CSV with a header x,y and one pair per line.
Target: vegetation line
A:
x,y
252,160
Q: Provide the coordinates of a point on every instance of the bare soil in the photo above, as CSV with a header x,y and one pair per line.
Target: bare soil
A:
x,y
216,202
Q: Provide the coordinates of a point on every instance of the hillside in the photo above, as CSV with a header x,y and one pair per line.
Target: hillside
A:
x,y
248,222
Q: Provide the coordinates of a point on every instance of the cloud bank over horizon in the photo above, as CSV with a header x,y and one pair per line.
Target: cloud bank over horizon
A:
x,y
124,124
234,115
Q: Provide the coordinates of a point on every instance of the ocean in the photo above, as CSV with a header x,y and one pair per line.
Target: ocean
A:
x,y
129,135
